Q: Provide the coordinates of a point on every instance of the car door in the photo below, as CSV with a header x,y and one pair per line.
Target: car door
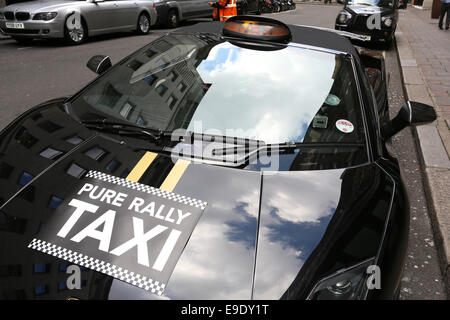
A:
x,y
186,7
202,8
102,16
128,13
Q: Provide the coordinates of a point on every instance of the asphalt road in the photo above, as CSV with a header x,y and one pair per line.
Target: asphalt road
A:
x,y
44,70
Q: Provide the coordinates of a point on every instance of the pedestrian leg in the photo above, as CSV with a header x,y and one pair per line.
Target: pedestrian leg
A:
x,y
441,16
447,21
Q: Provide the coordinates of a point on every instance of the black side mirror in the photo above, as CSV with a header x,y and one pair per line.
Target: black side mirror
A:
x,y
99,64
411,113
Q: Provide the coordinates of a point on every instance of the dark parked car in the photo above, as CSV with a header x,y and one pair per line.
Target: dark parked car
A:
x,y
248,6
374,18
274,134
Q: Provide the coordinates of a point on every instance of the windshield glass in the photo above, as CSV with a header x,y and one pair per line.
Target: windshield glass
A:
x,y
379,3
208,85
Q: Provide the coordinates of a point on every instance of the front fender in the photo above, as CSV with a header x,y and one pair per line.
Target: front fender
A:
x,y
175,5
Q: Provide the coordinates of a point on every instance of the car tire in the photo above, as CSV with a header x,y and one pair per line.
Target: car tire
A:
x,y
76,36
143,24
173,20
22,40
388,42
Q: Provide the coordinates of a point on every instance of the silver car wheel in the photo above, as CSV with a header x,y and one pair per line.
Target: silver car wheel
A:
x,y
174,20
144,23
77,35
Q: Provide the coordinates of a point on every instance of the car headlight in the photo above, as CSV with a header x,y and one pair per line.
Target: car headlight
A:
x,y
387,21
345,284
45,16
344,17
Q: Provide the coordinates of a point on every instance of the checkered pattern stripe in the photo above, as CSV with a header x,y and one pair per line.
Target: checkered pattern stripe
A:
x,y
144,188
98,265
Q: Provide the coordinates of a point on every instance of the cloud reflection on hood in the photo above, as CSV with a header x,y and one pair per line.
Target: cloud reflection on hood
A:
x,y
296,209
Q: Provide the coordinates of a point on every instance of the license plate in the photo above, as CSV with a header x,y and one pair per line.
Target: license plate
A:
x,y
15,25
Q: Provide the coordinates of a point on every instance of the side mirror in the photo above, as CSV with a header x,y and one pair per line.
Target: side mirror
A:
x,y
402,5
99,64
411,113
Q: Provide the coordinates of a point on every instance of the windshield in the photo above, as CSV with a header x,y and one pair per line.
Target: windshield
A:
x,y
207,85
379,3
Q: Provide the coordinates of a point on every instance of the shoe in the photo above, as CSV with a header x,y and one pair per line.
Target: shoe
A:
x,y
446,28
440,27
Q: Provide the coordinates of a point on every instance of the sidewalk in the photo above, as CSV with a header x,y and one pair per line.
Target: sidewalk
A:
x,y
424,53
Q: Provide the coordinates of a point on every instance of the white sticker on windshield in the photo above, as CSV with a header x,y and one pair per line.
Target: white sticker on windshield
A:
x,y
332,100
320,122
344,126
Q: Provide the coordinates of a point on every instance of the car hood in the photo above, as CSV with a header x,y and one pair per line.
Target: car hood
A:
x,y
368,10
41,6
262,235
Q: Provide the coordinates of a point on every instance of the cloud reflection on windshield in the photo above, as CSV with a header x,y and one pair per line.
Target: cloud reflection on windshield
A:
x,y
266,94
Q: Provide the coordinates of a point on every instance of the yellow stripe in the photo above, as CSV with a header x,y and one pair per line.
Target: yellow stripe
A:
x,y
175,174
141,166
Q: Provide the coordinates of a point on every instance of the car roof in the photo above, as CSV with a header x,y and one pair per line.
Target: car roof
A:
x,y
300,34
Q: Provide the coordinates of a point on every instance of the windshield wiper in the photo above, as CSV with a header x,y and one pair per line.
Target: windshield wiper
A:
x,y
118,127
190,137
282,147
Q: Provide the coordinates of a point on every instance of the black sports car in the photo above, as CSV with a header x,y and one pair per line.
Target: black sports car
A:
x,y
237,160
374,18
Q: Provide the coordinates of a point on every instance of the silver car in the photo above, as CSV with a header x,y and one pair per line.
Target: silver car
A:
x,y
172,12
76,20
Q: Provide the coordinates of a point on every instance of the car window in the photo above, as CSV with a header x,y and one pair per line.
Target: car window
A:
x,y
218,87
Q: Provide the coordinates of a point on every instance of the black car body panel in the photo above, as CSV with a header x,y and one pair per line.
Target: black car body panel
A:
x,y
262,236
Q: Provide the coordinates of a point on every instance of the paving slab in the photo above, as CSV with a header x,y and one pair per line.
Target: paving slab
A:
x,y
433,151
409,63
419,93
412,75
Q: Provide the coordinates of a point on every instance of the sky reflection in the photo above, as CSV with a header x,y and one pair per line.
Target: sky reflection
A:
x,y
273,103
